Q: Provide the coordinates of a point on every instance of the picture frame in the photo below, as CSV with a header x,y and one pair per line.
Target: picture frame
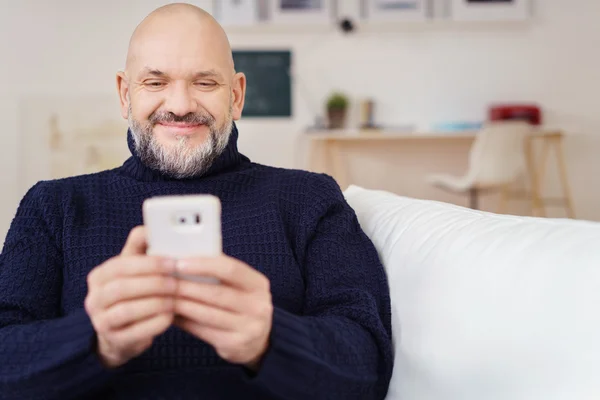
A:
x,y
490,10
305,12
395,10
233,13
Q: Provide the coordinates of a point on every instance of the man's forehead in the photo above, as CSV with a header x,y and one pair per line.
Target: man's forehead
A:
x,y
185,48
172,44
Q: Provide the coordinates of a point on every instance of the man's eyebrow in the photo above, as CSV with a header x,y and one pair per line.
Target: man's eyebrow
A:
x,y
211,73
154,72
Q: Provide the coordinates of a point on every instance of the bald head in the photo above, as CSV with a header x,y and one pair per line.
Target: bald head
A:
x,y
177,22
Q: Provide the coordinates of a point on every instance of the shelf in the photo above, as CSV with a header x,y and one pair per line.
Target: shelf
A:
x,y
380,27
281,29
440,25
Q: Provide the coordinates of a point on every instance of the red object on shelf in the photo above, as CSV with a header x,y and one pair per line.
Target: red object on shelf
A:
x,y
504,112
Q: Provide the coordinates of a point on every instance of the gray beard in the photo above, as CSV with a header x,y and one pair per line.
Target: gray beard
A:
x,y
181,160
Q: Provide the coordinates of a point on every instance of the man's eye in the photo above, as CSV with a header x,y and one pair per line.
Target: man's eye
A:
x,y
205,84
154,84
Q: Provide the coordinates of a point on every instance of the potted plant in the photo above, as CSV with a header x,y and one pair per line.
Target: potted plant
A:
x,y
337,104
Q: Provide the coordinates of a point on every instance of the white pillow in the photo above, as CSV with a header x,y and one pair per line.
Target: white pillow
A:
x,y
487,306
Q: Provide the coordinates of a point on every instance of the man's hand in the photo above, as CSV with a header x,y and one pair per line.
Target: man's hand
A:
x,y
234,316
130,301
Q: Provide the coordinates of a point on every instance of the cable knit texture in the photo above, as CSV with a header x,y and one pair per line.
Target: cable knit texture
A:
x,y
331,336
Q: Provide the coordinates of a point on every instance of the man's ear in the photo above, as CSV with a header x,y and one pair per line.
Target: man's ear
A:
x,y
123,90
239,94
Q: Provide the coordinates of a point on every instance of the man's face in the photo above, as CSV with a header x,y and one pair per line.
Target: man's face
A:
x,y
181,100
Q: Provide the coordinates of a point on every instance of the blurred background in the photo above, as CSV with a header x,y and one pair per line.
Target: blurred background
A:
x,y
386,94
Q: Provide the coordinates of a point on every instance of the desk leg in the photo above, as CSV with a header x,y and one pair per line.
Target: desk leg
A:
x,y
562,169
338,169
536,202
316,159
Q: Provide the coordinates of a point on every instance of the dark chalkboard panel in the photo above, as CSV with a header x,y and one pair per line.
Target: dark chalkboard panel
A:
x,y
268,82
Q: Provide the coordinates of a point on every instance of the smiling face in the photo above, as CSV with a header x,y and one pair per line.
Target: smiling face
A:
x,y
179,90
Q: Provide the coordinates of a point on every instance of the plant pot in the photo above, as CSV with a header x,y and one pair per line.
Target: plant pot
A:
x,y
337,118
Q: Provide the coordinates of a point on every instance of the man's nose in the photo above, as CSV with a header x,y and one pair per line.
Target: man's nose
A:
x,y
180,101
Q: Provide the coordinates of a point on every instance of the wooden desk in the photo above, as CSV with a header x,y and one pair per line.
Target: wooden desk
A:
x,y
326,151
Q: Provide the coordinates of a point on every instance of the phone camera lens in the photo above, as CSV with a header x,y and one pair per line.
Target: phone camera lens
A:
x,y
182,220
197,218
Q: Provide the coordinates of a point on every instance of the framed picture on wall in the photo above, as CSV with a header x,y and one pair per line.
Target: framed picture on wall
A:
x,y
490,10
394,10
302,11
269,83
240,12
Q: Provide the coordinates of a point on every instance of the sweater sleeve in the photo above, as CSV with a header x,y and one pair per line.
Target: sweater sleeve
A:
x,y
340,347
44,355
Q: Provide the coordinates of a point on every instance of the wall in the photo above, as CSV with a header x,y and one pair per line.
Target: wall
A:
x,y
417,75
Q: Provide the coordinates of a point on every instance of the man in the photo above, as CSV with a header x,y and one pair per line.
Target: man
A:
x,y
302,310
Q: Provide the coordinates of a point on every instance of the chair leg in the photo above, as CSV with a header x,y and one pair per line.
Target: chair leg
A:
x,y
473,199
537,206
504,195
562,170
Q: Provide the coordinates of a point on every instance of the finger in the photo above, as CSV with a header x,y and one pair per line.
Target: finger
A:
x,y
208,334
130,312
130,266
142,331
134,288
222,296
226,269
136,242
208,316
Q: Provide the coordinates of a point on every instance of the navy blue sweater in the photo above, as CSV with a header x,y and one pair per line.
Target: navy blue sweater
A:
x,y
331,335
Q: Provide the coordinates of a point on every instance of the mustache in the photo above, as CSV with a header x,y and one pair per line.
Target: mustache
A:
x,y
190,118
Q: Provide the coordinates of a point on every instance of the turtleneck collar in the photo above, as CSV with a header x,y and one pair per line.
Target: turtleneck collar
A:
x,y
229,159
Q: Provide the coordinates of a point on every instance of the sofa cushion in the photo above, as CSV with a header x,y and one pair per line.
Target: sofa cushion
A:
x,y
486,306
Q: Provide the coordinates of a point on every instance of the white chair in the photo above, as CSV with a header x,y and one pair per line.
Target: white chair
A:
x,y
496,160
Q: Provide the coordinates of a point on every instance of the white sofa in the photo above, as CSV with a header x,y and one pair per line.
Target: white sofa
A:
x,y
486,306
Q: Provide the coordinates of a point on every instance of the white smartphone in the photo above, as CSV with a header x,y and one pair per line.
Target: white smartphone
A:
x,y
183,227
